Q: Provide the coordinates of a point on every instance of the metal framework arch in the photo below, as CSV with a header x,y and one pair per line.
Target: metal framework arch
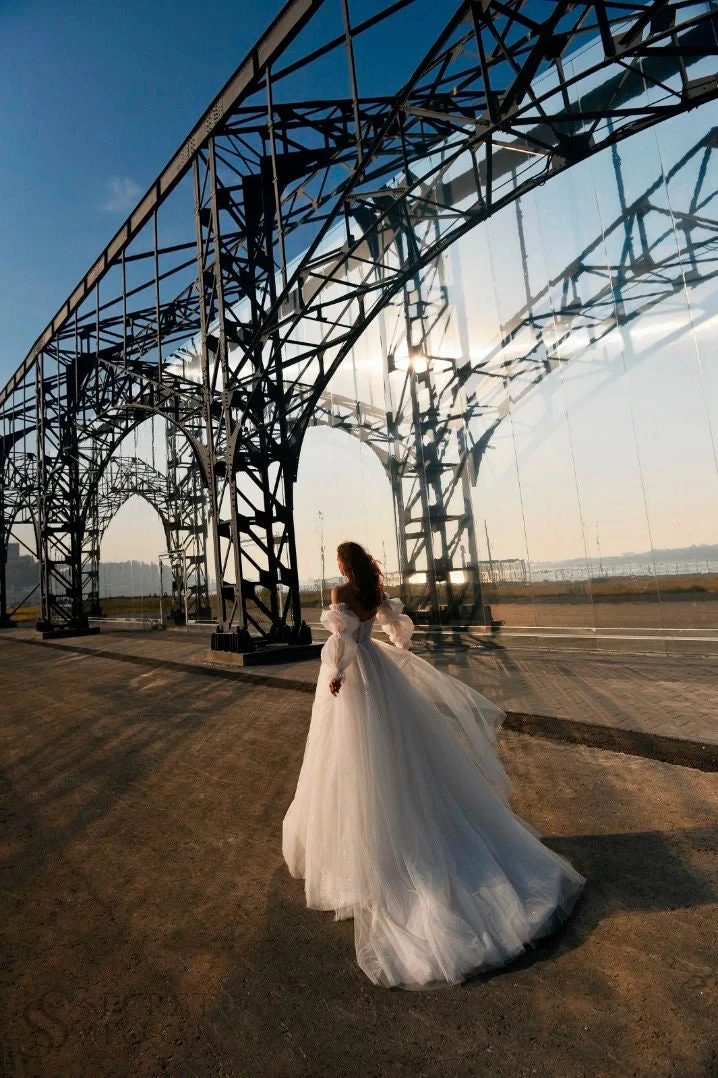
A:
x,y
182,515
370,191
121,479
589,298
128,477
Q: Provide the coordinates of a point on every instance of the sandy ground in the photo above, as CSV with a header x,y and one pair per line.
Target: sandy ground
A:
x,y
149,924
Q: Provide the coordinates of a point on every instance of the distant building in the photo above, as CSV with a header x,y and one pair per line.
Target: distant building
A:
x,y
21,573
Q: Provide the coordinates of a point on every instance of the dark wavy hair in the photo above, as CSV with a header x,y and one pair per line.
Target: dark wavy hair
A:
x,y
364,574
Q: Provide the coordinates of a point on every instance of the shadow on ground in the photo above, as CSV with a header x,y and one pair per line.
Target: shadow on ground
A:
x,y
307,1008
150,926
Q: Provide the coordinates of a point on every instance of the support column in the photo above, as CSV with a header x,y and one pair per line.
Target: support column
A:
x,y
5,621
92,554
426,416
221,488
252,459
187,525
60,521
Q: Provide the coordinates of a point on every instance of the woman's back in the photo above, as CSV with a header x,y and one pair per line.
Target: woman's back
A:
x,y
345,593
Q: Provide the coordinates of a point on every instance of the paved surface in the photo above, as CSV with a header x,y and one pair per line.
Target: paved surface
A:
x,y
668,697
672,698
150,926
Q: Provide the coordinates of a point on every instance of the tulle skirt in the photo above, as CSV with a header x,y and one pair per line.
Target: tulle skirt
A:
x,y
401,820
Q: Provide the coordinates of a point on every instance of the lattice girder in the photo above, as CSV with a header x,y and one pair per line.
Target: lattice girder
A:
x,y
299,210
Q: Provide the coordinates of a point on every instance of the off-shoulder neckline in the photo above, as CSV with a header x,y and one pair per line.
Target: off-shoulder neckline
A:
x,y
362,621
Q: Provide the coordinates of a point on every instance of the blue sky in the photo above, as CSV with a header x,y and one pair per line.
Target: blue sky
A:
x,y
94,99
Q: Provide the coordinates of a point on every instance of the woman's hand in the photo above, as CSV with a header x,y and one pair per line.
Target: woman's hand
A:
x,y
334,686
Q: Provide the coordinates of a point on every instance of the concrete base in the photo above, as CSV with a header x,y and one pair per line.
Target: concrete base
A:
x,y
62,634
272,653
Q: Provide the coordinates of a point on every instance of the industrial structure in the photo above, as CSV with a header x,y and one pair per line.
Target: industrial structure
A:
x,y
308,224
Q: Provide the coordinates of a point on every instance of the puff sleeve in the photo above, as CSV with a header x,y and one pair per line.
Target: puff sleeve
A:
x,y
340,649
397,626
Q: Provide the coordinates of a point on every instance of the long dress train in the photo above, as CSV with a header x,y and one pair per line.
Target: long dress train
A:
x,y
401,819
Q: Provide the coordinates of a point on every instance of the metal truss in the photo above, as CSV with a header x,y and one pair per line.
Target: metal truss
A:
x,y
595,296
187,530
176,499
180,507
592,298
123,478
17,492
308,218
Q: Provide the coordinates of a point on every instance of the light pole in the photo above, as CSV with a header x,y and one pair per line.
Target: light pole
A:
x,y
488,547
321,555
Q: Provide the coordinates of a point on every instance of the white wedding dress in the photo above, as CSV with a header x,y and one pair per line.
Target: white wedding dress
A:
x,y
401,819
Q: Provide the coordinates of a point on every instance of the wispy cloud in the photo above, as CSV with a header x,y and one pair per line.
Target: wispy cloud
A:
x,y
121,195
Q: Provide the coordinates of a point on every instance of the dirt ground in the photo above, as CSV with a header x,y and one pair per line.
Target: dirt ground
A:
x,y
150,926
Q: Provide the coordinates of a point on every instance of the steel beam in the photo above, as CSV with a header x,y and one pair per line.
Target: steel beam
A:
x,y
275,280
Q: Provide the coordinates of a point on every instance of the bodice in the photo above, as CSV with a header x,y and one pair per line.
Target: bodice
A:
x,y
360,630
348,633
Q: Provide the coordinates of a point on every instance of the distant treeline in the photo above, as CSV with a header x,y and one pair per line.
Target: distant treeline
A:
x,y
133,578
139,578
697,553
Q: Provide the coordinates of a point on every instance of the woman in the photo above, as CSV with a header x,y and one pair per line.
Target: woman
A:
x,y
400,817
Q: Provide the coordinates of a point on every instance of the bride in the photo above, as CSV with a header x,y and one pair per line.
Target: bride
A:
x,y
400,817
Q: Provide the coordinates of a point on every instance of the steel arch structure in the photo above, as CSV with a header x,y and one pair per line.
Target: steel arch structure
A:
x,y
589,299
181,511
307,219
181,514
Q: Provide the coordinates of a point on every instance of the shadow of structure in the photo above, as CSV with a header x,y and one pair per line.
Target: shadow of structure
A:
x,y
300,1003
144,889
